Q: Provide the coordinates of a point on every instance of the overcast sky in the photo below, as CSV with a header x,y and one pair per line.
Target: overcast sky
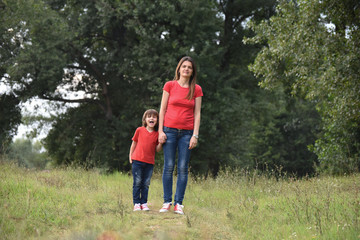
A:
x,y
38,107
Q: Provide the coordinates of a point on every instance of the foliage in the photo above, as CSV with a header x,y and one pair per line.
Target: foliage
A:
x,y
113,57
229,88
313,59
77,204
10,118
244,125
27,154
284,129
104,49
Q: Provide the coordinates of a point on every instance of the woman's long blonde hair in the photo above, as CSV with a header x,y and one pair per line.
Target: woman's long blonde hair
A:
x,y
192,80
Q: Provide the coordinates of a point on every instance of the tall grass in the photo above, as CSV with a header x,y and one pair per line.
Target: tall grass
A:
x,y
77,204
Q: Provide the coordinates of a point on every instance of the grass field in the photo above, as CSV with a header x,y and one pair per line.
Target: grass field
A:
x,y
77,204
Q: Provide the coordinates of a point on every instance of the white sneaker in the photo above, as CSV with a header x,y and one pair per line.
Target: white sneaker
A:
x,y
179,209
137,207
144,207
165,207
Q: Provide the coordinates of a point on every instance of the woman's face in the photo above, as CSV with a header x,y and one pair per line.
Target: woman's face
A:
x,y
186,69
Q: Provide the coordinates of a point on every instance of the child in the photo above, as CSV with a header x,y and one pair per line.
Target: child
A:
x,y
142,157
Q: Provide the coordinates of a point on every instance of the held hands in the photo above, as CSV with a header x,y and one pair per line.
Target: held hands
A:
x,y
193,142
162,137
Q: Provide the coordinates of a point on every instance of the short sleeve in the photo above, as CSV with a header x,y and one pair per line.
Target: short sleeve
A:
x,y
198,91
135,138
168,85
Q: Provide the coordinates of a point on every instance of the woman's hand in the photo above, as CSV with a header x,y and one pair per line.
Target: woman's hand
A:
x,y
162,137
193,142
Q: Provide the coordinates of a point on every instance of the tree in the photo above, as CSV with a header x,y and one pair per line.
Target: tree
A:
x,y
230,89
118,53
245,126
27,154
10,118
284,129
312,50
10,114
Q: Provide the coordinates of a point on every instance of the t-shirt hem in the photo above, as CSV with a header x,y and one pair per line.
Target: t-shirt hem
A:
x,y
153,163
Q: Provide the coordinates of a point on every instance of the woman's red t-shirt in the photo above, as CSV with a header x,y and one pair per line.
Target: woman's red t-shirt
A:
x,y
146,143
180,111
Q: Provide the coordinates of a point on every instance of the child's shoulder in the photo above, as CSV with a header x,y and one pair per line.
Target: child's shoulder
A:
x,y
139,129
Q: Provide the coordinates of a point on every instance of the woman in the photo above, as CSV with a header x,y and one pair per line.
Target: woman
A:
x,y
179,123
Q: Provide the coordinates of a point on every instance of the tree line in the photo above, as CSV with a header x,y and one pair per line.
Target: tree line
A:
x,y
303,118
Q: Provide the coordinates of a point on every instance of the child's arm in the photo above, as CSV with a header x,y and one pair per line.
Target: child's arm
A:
x,y
159,147
132,148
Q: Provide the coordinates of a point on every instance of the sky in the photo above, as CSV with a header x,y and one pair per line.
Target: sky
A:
x,y
35,107
38,107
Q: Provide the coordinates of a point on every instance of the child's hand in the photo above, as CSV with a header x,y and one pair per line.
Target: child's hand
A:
x,y
162,137
130,160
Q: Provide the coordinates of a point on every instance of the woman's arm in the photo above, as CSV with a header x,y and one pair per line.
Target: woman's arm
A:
x,y
132,148
197,115
163,107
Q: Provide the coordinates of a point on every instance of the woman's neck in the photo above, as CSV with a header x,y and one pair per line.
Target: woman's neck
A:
x,y
184,82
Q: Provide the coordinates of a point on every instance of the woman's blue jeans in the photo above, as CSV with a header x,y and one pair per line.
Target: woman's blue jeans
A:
x,y
142,173
177,139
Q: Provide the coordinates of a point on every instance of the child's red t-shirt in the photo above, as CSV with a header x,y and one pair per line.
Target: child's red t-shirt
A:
x,y
146,143
180,111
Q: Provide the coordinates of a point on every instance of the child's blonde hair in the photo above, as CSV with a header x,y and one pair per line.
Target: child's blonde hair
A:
x,y
150,112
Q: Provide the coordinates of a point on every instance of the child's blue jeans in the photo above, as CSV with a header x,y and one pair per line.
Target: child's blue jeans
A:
x,y
142,173
177,139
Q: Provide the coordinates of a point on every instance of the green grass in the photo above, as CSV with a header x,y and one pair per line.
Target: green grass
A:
x,y
77,204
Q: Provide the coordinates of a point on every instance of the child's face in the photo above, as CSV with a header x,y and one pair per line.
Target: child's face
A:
x,y
151,121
